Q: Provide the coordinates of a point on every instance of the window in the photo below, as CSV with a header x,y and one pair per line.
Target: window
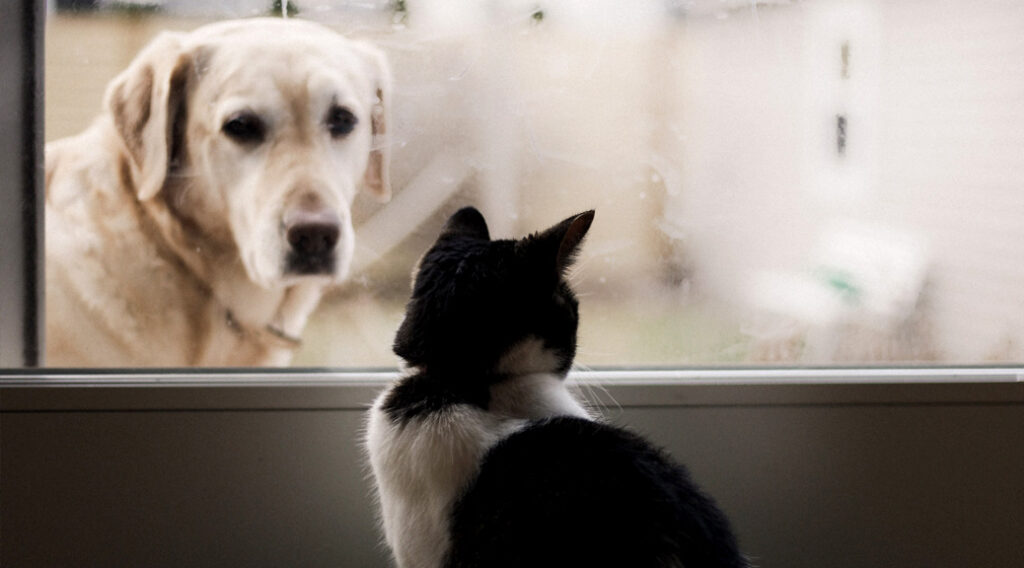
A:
x,y
775,182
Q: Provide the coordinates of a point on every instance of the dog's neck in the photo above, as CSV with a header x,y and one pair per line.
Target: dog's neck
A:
x,y
283,328
273,318
268,334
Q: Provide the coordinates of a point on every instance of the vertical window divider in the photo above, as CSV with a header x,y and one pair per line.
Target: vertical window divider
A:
x,y
21,189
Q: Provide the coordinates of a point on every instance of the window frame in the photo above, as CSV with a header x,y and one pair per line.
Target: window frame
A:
x,y
21,188
55,390
21,329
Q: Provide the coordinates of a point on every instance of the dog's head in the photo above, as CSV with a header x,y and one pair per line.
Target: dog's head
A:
x,y
257,134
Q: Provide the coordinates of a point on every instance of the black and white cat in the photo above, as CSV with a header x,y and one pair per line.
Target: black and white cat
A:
x,y
482,456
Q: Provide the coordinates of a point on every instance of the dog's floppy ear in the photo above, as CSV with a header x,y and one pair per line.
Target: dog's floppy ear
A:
x,y
146,100
376,178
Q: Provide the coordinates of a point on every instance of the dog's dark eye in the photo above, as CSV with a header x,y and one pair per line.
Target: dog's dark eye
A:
x,y
341,121
244,127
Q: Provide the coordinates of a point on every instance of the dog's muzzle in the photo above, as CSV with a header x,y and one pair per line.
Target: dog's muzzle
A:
x,y
312,237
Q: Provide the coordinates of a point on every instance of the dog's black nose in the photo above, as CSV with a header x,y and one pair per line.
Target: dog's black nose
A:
x,y
313,239
312,235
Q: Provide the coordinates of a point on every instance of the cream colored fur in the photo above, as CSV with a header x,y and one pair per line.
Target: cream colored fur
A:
x,y
164,240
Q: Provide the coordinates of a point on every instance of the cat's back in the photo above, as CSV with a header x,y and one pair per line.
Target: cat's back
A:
x,y
568,491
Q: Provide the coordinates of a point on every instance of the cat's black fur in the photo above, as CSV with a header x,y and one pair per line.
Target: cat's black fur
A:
x,y
560,490
573,492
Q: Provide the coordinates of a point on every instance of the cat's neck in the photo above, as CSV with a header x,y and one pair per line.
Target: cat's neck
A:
x,y
535,396
531,395
530,356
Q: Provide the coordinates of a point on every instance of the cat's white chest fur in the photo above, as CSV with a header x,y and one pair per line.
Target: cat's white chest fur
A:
x,y
422,466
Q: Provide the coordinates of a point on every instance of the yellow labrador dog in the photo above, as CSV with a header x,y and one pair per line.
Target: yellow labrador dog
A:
x,y
200,218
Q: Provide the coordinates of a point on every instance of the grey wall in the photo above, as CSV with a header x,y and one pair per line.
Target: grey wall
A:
x,y
884,475
211,488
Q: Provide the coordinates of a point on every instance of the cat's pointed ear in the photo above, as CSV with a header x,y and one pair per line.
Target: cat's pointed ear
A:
x,y
466,222
568,235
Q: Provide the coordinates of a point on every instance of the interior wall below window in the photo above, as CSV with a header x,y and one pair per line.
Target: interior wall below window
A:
x,y
883,475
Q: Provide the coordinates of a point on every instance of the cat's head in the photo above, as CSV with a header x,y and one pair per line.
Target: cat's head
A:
x,y
494,306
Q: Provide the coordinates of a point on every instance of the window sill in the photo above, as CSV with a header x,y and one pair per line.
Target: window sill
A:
x,y
322,389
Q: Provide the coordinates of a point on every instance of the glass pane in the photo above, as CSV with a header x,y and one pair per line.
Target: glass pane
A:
x,y
814,182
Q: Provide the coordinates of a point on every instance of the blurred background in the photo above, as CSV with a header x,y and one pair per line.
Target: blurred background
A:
x,y
776,182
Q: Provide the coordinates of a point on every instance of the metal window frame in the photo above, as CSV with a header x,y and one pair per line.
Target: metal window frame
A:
x,y
21,194
323,389
21,316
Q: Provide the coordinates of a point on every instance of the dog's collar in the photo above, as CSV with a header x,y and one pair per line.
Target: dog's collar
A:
x,y
270,333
